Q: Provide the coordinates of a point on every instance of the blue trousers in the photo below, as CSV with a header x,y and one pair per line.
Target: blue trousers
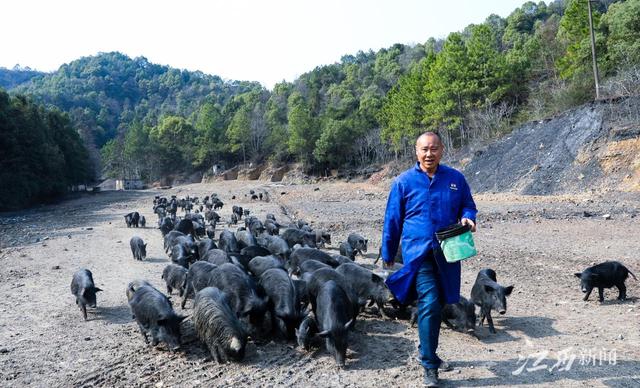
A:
x,y
429,313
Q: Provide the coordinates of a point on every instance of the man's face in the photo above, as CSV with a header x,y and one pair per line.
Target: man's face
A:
x,y
429,151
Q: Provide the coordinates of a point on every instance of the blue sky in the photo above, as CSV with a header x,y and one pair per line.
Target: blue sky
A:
x,y
265,41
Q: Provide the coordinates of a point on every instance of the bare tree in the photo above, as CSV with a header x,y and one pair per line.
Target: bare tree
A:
x,y
258,131
489,120
371,149
625,83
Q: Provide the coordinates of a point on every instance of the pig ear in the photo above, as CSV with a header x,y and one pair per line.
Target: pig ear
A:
x,y
578,274
375,278
507,291
324,334
348,325
96,289
145,245
488,288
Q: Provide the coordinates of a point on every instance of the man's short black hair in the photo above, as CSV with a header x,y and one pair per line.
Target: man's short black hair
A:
x,y
436,133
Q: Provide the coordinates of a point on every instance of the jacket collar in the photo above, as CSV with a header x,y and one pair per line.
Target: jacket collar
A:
x,y
438,170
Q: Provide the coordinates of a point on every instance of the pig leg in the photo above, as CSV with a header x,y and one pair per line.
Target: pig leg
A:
x,y
483,315
169,289
184,296
449,325
154,338
622,291
586,295
143,332
601,294
490,321
83,308
381,309
216,354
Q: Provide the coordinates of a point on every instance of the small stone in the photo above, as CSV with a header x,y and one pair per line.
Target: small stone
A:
x,y
46,238
159,384
620,337
87,338
89,228
55,267
607,216
4,350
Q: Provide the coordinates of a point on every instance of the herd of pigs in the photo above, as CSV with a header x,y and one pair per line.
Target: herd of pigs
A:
x,y
258,282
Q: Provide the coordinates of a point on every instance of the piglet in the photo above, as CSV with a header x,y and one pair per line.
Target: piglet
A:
x,y
83,288
489,295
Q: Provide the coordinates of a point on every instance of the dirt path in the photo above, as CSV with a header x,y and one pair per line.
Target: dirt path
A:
x,y
534,243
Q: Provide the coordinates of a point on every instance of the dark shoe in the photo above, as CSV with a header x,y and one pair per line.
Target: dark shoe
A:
x,y
431,378
445,367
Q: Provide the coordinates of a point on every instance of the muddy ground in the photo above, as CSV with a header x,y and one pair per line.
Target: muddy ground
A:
x,y
534,243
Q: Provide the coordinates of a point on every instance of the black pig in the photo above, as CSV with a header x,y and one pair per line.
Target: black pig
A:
x,y
334,316
138,248
174,276
217,325
489,295
604,275
154,314
83,288
460,316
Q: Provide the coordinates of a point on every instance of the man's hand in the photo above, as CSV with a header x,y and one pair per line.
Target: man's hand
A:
x,y
388,265
466,221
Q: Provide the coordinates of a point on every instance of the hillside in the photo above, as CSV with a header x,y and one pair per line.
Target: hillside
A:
x,y
10,78
594,146
105,93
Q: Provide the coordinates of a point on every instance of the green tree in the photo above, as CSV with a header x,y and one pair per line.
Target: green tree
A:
x,y
574,34
211,140
174,138
402,112
623,43
447,89
276,120
303,129
42,154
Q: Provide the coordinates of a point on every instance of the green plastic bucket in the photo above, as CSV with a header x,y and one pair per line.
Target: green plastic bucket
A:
x,y
456,242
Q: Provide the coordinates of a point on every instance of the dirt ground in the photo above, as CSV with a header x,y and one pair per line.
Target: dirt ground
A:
x,y
548,336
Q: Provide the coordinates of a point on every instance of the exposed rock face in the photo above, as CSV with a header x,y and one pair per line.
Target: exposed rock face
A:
x,y
595,146
230,174
250,174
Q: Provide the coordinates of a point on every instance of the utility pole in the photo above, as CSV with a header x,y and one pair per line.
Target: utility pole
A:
x,y
593,51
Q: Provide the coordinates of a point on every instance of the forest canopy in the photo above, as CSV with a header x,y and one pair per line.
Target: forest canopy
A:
x,y
149,120
42,153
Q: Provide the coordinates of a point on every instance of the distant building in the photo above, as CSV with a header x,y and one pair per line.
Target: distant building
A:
x,y
129,184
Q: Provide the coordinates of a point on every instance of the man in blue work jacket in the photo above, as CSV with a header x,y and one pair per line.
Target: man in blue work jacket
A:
x,y
424,199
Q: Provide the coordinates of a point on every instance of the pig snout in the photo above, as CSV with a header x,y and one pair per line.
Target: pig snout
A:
x,y
502,311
